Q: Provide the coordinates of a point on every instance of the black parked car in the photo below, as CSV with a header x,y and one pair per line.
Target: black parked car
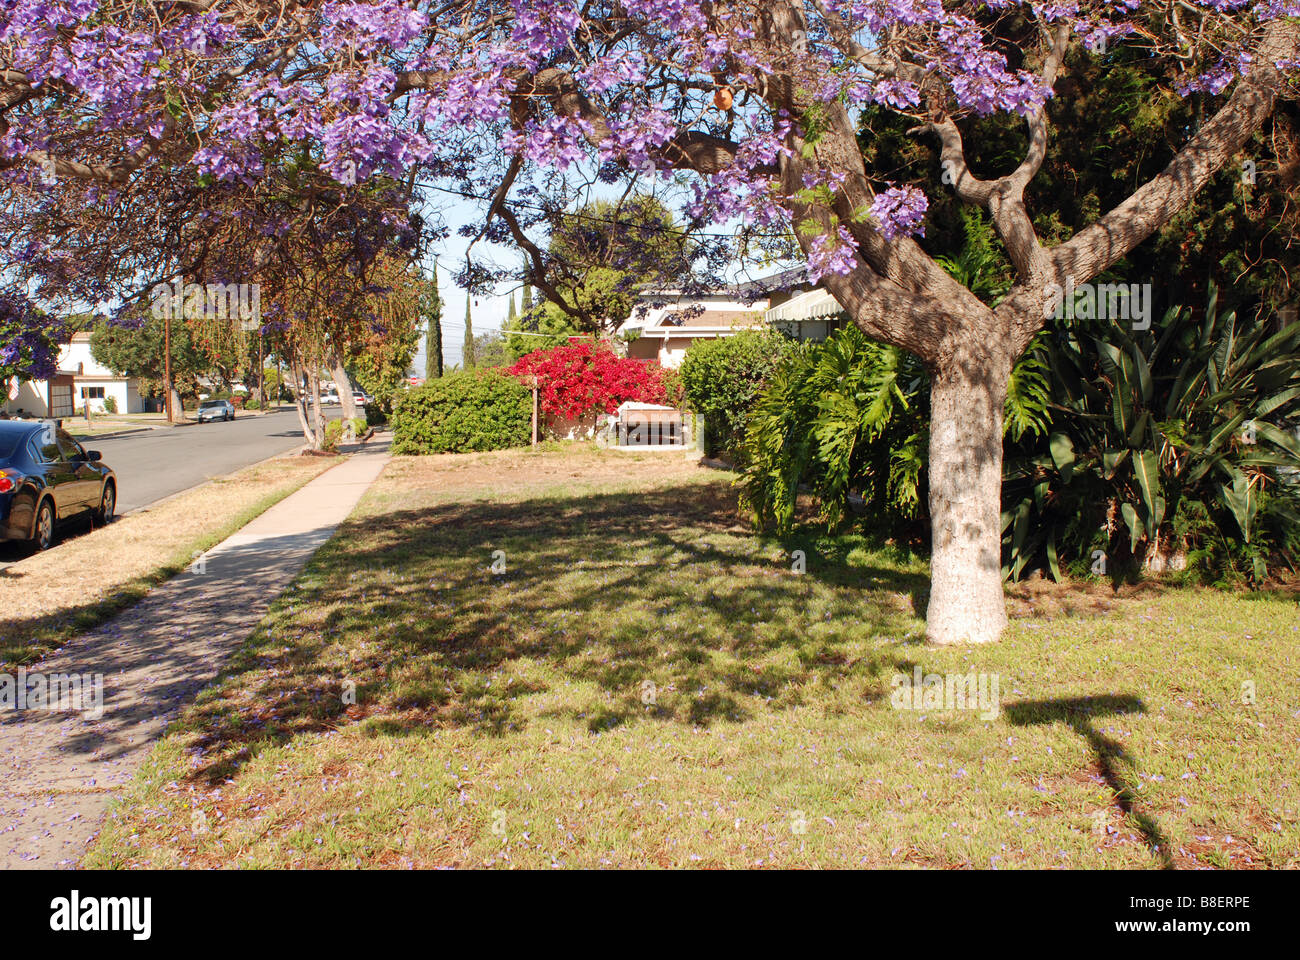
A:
x,y
47,478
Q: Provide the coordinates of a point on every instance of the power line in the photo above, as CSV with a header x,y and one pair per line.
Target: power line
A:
x,y
583,216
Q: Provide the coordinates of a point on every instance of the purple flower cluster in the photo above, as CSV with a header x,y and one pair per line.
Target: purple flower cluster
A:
x,y
558,142
829,254
543,26
29,341
979,77
1215,80
366,26
900,211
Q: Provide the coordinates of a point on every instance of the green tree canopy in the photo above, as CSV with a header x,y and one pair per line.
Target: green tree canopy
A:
x,y
605,252
137,351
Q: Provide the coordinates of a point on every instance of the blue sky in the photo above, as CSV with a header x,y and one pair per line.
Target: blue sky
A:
x,y
488,313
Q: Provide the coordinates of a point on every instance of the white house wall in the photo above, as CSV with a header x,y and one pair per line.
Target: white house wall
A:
x,y
30,399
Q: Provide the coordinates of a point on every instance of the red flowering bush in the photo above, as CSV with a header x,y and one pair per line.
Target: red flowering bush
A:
x,y
582,377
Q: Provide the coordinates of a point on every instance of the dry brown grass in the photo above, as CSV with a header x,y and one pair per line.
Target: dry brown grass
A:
x,y
51,596
518,474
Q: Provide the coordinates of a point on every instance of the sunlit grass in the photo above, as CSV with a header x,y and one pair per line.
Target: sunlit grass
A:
x,y
647,683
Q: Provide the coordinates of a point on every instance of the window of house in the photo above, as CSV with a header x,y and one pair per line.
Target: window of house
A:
x,y
92,393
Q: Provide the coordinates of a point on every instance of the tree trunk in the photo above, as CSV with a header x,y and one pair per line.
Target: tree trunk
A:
x,y
317,418
346,400
300,401
966,399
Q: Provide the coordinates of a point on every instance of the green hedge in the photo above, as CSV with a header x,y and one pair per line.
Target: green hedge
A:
x,y
462,413
722,378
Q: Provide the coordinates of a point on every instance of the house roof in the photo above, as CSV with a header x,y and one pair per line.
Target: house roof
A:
x,y
745,290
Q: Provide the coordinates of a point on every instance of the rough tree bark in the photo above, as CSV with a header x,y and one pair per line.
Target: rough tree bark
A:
x,y
967,394
317,418
300,400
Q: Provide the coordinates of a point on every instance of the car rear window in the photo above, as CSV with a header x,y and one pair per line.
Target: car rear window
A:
x,y
9,443
43,452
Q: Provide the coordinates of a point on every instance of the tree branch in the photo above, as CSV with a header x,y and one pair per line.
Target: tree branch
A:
x,y
1156,202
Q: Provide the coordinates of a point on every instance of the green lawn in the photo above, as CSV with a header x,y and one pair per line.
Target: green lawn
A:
x,y
649,684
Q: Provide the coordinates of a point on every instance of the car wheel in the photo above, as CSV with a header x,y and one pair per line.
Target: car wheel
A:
x,y
107,504
44,538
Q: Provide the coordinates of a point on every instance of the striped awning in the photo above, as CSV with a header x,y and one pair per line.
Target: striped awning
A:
x,y
813,305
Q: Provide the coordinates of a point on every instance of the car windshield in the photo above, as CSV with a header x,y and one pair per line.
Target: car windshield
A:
x,y
208,404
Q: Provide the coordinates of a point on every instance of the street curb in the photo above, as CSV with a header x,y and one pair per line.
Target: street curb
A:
x,y
91,437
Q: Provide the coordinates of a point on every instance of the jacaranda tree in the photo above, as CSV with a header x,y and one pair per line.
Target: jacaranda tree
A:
x,y
130,130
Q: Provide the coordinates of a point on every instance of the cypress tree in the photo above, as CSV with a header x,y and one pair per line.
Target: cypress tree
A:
x,y
433,330
467,352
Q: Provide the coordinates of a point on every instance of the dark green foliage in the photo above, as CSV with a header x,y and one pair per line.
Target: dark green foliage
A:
x,y
137,351
1175,442
431,311
1163,441
461,413
605,252
467,354
848,416
721,380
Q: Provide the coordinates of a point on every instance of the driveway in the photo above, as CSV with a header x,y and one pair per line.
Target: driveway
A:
x,y
158,463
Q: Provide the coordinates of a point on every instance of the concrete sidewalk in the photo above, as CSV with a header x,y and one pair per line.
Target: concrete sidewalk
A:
x,y
58,771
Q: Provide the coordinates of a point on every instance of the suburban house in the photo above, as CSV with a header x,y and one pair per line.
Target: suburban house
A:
x,y
667,322
80,379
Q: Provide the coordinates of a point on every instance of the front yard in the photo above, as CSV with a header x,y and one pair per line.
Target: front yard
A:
x,y
577,658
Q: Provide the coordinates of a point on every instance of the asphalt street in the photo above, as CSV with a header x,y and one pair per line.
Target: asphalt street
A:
x,y
155,464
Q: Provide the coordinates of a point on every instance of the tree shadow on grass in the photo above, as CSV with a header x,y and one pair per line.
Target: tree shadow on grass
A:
x,y
1078,714
659,601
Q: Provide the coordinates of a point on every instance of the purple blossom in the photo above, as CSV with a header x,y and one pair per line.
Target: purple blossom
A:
x,y
900,211
832,254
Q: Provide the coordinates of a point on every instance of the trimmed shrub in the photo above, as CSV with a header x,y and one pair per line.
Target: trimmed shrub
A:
x,y
333,434
463,413
721,379
110,404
